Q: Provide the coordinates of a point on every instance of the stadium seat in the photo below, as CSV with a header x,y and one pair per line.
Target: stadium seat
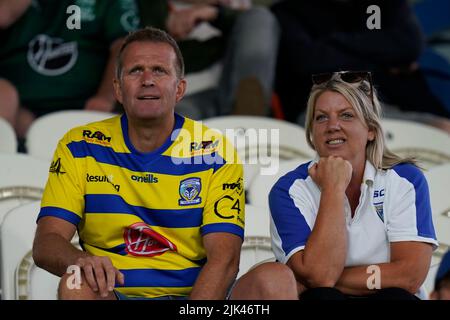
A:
x,y
257,244
22,179
45,132
260,153
34,283
20,277
429,145
259,189
8,140
438,181
16,238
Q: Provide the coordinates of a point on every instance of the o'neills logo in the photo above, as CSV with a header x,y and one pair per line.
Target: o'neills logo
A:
x,y
149,178
141,240
51,56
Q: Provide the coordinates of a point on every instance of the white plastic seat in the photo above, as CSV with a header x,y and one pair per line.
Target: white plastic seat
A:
x,y
45,132
244,132
20,277
407,138
23,178
259,189
257,245
438,181
16,238
258,149
8,139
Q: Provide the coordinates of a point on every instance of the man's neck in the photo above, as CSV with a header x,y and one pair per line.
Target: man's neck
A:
x,y
147,136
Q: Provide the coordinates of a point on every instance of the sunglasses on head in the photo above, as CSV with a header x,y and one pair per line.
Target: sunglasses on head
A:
x,y
346,76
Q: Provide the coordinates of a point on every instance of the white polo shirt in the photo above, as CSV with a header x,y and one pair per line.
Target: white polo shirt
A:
x,y
394,206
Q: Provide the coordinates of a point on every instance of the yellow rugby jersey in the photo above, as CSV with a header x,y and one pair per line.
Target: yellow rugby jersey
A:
x,y
147,212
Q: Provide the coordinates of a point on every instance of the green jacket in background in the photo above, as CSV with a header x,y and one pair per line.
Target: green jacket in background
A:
x,y
55,67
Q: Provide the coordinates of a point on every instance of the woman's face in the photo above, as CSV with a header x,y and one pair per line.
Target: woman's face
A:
x,y
337,130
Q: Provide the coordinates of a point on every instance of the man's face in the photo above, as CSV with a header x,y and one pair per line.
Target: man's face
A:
x,y
148,87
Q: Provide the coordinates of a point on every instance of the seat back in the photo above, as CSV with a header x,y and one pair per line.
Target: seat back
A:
x,y
438,181
8,140
261,142
259,189
429,145
16,239
257,245
34,283
45,132
22,178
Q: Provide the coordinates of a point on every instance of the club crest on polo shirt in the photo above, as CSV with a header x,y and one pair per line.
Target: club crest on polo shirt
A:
x,y
189,191
378,202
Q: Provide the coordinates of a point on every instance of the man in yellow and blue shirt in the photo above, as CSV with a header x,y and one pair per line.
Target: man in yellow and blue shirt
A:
x,y
157,199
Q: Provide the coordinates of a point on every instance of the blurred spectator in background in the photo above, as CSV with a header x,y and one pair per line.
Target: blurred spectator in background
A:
x,y
54,56
325,35
244,42
442,280
434,62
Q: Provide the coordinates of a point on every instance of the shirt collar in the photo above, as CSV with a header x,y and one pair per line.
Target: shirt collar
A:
x,y
369,171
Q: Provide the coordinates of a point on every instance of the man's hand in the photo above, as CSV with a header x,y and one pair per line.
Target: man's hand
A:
x,y
331,173
100,274
99,103
180,23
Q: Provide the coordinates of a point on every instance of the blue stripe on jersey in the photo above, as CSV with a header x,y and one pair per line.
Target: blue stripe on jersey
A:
x,y
179,121
289,221
177,218
59,213
222,227
160,278
164,164
424,219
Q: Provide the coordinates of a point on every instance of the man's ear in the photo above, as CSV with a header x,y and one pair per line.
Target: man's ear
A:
x,y
181,89
117,90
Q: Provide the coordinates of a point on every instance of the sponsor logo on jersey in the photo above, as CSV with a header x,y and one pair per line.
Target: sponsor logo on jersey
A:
x,y
237,186
51,56
204,145
141,240
96,137
149,178
189,191
104,178
228,207
56,167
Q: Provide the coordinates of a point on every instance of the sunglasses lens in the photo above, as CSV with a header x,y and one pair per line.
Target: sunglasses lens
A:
x,y
353,77
321,78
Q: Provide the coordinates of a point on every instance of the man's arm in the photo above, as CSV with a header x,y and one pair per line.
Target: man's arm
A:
x,y
408,269
11,10
222,252
53,252
52,249
104,99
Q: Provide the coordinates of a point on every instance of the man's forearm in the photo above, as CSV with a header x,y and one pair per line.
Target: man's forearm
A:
x,y
11,11
214,281
54,253
105,89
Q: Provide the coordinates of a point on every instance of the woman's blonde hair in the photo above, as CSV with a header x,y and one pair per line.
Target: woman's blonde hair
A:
x,y
368,109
